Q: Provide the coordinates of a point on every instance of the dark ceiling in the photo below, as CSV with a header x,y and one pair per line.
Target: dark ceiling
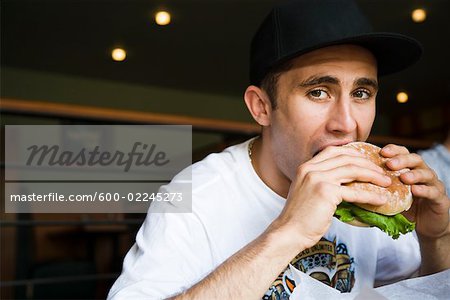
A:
x,y
204,49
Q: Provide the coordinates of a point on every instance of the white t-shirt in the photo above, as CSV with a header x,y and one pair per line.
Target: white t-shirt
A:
x,y
231,207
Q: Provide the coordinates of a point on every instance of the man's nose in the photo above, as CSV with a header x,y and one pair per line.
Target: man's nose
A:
x,y
341,118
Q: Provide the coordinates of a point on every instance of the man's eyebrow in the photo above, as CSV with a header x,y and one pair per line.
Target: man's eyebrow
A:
x,y
318,80
311,81
367,82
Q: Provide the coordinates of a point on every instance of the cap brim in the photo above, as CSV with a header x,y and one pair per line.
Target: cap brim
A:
x,y
394,52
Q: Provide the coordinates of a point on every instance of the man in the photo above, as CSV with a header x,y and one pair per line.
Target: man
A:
x,y
269,202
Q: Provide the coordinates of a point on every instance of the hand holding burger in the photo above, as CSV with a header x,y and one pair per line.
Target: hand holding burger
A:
x,y
398,198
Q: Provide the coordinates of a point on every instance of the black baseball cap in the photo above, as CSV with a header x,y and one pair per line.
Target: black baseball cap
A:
x,y
297,27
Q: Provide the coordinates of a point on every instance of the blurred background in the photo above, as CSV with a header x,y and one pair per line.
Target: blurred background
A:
x,y
115,62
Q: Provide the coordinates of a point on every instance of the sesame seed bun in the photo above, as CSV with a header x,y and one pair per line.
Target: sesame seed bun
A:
x,y
398,195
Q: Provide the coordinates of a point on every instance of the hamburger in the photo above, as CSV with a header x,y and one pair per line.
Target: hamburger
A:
x,y
398,198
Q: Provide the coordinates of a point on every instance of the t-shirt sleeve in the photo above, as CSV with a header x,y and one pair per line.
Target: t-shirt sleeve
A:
x,y
397,259
170,255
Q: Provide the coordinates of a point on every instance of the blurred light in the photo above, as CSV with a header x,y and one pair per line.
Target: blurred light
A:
x,y
162,18
118,54
419,15
402,97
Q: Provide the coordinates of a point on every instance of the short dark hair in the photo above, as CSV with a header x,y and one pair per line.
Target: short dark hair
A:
x,y
270,81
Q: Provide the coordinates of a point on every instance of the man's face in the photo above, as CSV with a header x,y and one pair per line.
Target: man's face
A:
x,y
327,98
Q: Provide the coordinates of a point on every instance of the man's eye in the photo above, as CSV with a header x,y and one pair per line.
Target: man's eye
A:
x,y
362,94
319,94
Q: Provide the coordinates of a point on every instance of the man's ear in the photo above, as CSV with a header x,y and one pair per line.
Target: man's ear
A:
x,y
258,104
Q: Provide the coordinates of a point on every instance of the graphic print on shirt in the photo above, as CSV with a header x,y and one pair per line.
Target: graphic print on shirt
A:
x,y
326,261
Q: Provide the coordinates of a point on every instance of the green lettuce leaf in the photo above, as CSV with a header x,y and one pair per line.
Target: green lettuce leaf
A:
x,y
392,225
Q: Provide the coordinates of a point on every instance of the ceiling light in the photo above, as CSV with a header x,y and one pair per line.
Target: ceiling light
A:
x,y
419,15
402,97
162,18
118,54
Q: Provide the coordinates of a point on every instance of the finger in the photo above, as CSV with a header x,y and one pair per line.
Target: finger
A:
x,y
427,192
411,160
360,196
392,150
350,173
424,176
344,159
333,151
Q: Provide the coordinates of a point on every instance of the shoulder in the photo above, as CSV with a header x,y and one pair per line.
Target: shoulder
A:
x,y
212,179
437,152
215,169
438,158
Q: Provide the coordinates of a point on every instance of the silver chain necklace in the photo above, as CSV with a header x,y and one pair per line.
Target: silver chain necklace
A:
x,y
250,148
